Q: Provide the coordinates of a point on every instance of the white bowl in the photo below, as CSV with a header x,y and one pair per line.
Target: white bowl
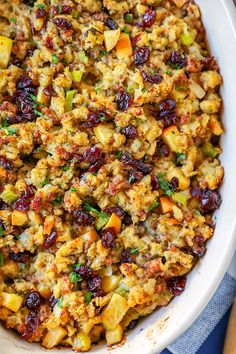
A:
x,y
162,327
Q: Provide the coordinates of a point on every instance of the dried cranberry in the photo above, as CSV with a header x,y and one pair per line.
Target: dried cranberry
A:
x,y
132,324
48,42
207,63
21,204
175,184
138,164
196,192
20,257
153,79
30,326
62,23
83,218
29,53
170,119
13,119
210,200
149,18
130,131
134,176
166,106
127,219
154,182
195,251
125,257
123,100
40,13
215,140
29,2
15,61
118,211
48,91
108,237
95,118
95,167
94,283
66,9
176,285
92,154
6,163
177,60
54,10
163,150
141,55
8,281
84,271
50,240
98,292
24,102
52,301
33,300
111,23
23,82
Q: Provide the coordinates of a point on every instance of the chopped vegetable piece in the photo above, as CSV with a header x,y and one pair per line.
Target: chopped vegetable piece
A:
x,y
115,222
153,206
11,301
8,196
166,204
123,46
114,336
59,303
69,100
55,59
54,337
110,283
165,186
5,51
114,312
1,259
111,38
186,38
77,75
82,342
88,297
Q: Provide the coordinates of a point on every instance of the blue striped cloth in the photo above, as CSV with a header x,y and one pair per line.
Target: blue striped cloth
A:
x,y
195,336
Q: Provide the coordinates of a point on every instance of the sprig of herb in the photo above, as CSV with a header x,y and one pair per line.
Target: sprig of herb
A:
x,y
1,259
1,231
88,297
75,278
59,302
153,206
55,59
134,250
165,186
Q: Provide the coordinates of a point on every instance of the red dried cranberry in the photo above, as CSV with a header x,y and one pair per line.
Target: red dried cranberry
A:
x,y
50,240
13,119
29,53
92,154
166,106
153,79
170,119
48,91
177,60
154,182
30,326
118,211
94,283
84,271
15,61
62,23
52,301
111,23
210,200
108,237
163,150
130,131
215,140
141,55
21,204
48,42
40,13
23,82
95,118
123,100
54,10
125,257
6,163
95,167
196,192
149,18
175,184
138,164
33,300
66,9
83,218
207,63
134,176
176,285
195,251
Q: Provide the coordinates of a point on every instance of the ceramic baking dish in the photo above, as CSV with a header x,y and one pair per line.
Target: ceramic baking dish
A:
x,y
162,327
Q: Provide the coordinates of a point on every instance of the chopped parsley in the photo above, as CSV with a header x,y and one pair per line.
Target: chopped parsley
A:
x,y
102,53
134,250
59,302
75,278
98,89
57,200
1,259
119,155
22,267
102,118
41,6
180,157
38,113
76,265
24,66
10,131
55,59
73,190
168,72
33,97
45,182
174,66
129,18
103,217
88,297
1,231
125,29
65,168
165,186
153,206
13,20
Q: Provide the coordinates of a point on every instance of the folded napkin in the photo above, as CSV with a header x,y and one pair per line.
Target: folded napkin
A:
x,y
192,339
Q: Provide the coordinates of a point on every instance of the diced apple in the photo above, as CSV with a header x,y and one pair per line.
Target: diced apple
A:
x,y
114,312
184,182
11,301
90,236
82,342
54,337
111,38
166,204
103,134
110,283
5,51
171,135
114,336
123,46
18,218
115,222
215,126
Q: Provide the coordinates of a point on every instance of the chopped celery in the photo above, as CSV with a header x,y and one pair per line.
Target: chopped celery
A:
x,y
77,75
186,38
69,100
209,150
8,196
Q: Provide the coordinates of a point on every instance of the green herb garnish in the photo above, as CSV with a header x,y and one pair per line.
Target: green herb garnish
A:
x,y
41,6
73,190
102,216
102,53
59,303
13,19
134,250
125,29
1,259
65,168
168,72
57,200
75,278
153,206
129,18
10,131
22,267
88,297
103,118
119,155
165,186
45,182
38,113
1,231
55,59
180,157
33,97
